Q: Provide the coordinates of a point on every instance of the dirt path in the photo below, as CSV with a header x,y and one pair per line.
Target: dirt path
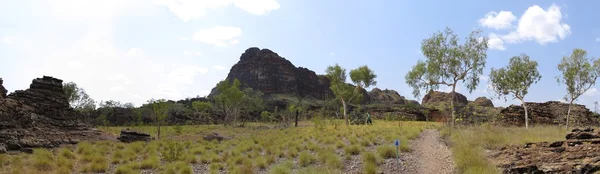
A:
x,y
429,155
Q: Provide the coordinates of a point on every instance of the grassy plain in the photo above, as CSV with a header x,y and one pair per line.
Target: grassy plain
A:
x,y
256,148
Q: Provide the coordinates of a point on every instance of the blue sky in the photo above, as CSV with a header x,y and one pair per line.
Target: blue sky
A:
x,y
135,50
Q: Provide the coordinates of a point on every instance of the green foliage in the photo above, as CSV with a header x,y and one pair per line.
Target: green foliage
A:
x,y
579,74
43,160
449,62
306,159
266,116
229,99
172,151
77,97
386,151
363,77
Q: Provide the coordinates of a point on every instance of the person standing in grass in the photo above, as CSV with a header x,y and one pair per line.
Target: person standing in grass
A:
x,y
369,121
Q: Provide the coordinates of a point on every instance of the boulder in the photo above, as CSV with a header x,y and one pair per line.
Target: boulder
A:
x,y
128,136
41,117
266,71
483,102
378,96
437,97
215,136
549,113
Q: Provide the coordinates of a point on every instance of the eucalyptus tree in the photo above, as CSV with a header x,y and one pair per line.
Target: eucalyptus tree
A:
x,y
362,77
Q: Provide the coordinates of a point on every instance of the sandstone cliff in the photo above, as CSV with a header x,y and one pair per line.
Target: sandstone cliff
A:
x,y
2,90
41,117
436,97
265,70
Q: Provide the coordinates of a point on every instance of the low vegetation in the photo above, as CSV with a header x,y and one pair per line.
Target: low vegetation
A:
x,y
304,149
469,143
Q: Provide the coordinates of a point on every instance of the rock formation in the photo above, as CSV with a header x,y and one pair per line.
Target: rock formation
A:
x,y
552,112
270,73
579,153
378,96
434,97
483,102
41,117
128,136
2,90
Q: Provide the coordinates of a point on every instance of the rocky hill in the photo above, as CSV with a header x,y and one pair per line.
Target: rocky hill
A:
x,y
41,117
265,70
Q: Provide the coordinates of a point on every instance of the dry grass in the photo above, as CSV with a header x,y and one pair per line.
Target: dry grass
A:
x,y
469,143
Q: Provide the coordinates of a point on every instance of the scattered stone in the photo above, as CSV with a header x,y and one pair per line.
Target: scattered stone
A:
x,y
128,136
214,136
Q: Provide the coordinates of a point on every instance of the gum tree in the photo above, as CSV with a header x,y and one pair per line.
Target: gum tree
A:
x,y
160,110
579,73
229,100
448,62
362,77
516,79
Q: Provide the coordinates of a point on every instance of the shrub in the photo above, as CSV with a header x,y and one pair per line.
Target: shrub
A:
x,y
369,157
261,162
42,160
306,159
125,169
173,151
292,152
370,168
283,168
150,163
386,151
352,150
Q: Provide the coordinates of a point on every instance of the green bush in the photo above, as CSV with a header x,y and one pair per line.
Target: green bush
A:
x,y
173,151
386,151
43,160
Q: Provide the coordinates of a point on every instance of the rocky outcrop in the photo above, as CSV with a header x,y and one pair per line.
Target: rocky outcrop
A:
x,y
436,97
265,70
483,102
128,136
2,90
41,117
552,112
579,153
378,96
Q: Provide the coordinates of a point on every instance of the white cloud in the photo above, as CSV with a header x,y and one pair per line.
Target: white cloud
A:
x,y
9,40
495,42
186,74
332,54
117,88
119,77
184,38
219,67
598,39
134,52
591,92
498,20
187,10
543,26
219,36
190,53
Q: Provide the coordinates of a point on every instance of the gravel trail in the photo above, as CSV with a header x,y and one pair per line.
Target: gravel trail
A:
x,y
429,155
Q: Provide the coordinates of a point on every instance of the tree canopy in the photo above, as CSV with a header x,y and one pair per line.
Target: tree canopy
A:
x,y
77,97
579,73
362,77
448,62
516,79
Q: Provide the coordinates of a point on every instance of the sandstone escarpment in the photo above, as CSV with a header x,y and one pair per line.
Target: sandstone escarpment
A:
x,y
41,117
2,90
552,112
266,71
483,102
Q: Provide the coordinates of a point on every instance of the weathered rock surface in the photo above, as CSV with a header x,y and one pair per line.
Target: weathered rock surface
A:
x,y
2,90
129,136
265,70
41,117
435,97
552,112
483,102
378,96
580,153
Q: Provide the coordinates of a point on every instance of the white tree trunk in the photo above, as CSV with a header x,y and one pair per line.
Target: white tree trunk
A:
x,y
526,116
569,114
452,104
345,115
